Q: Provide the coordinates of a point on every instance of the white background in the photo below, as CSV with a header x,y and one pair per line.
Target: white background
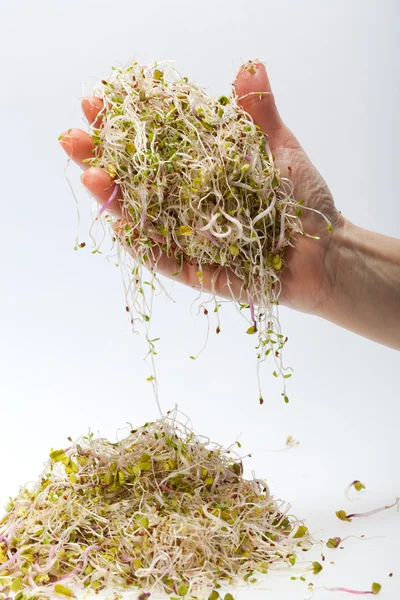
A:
x,y
67,358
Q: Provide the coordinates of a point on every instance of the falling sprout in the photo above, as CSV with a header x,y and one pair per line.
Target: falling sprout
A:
x,y
341,514
335,541
357,485
375,589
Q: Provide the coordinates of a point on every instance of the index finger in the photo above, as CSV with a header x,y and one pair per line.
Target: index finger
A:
x,y
93,108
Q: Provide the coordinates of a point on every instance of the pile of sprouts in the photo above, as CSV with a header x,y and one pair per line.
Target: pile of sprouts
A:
x,y
162,510
198,183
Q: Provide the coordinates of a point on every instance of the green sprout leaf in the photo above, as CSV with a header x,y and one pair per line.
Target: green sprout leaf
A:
x,y
185,230
301,532
341,514
223,100
277,262
376,588
358,486
16,584
251,330
58,455
333,542
183,589
63,591
316,567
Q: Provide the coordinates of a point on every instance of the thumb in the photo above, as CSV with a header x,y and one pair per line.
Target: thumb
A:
x,y
254,94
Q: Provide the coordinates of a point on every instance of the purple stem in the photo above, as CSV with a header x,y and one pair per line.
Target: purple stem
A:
x,y
372,512
111,198
125,559
50,561
252,312
166,488
72,573
348,590
8,563
4,540
87,552
211,238
248,157
281,235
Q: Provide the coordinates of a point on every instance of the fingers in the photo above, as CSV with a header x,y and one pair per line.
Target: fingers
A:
x,y
78,145
92,107
254,93
101,186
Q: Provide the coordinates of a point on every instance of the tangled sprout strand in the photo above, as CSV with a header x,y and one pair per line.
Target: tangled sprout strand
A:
x,y
198,181
163,510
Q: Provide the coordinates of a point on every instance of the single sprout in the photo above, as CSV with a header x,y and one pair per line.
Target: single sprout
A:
x,y
375,589
334,542
291,442
198,181
301,532
161,510
341,514
357,485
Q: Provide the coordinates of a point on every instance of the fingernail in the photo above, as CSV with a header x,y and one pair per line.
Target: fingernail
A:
x,y
64,134
82,178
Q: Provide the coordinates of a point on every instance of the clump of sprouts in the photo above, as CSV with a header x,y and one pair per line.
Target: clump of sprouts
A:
x,y
198,183
163,510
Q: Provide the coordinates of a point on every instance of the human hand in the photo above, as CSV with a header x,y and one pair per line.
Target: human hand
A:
x,y
309,274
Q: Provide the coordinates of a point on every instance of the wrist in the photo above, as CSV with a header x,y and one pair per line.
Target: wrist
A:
x,y
344,272
363,268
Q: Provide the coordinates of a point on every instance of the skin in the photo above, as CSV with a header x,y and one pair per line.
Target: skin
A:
x,y
350,276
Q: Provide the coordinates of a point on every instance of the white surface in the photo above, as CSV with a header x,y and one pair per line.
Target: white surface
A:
x,y
67,358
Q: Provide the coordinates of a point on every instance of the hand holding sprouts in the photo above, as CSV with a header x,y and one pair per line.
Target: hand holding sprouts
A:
x,y
193,185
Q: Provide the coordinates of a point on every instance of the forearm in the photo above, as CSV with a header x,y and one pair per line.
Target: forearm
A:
x,y
365,296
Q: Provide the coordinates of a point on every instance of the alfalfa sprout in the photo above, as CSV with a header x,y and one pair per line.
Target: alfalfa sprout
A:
x,y
163,509
199,184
